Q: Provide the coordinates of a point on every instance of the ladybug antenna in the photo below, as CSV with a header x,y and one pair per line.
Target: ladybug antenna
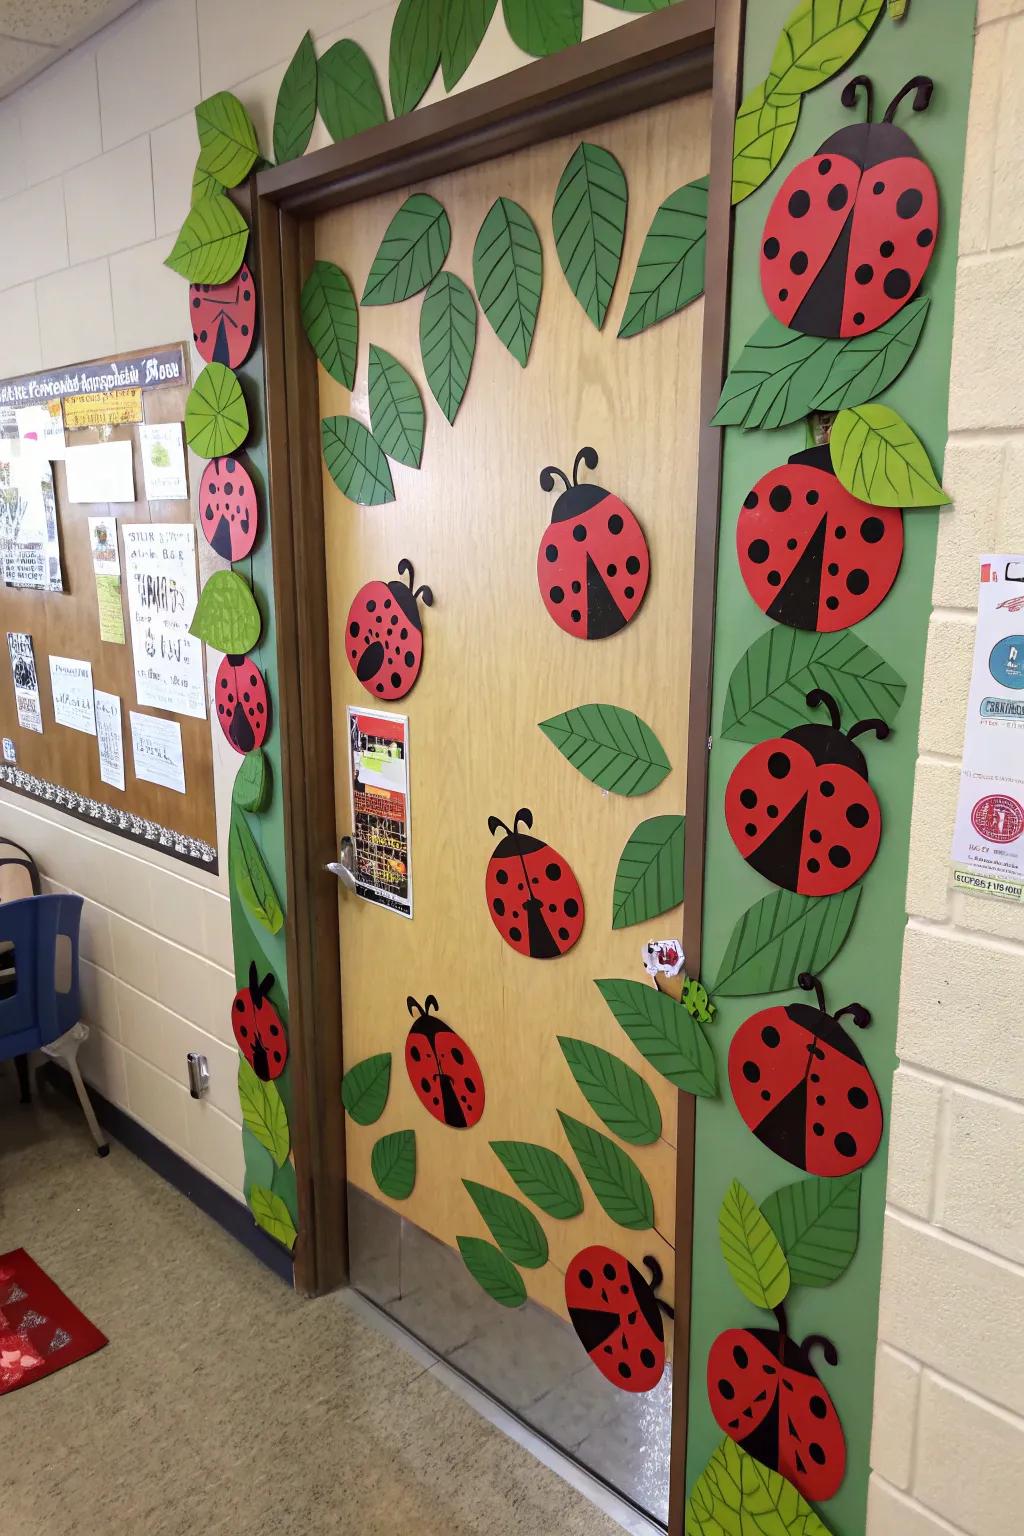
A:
x,y
423,593
811,983
524,816
413,1007
657,1275
587,456
254,982
818,1341
817,697
430,1003
879,727
547,478
494,822
849,97
922,85
856,1013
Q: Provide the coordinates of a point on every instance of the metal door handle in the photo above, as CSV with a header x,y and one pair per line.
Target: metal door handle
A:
x,y
344,866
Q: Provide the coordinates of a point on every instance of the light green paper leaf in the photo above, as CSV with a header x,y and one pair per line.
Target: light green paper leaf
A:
x,y
541,27
649,877
465,25
227,139
751,1250
364,1088
330,319
818,39
665,1033
204,185
295,112
271,1213
250,876
393,1164
507,275
738,1496
348,95
542,1176
251,789
415,51
670,272
764,131
226,615
589,223
817,1221
515,1229
412,252
880,459
263,1112
216,420
611,747
211,242
769,685
492,1271
621,1189
356,463
617,1095
396,410
782,935
448,340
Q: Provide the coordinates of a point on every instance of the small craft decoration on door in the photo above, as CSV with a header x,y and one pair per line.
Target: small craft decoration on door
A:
x,y
444,1073
803,1088
813,555
617,1316
258,1029
593,565
228,513
243,706
384,636
533,896
852,230
800,809
224,318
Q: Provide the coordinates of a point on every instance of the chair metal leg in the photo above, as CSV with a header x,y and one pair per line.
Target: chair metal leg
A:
x,y
65,1050
21,1066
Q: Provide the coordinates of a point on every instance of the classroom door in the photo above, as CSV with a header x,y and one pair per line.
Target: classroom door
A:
x,y
511,1050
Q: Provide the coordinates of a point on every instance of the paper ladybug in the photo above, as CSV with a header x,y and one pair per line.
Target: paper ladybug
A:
x,y
801,1085
592,565
243,706
812,555
444,1073
533,896
227,508
767,1396
384,637
852,230
224,319
800,809
258,1029
617,1316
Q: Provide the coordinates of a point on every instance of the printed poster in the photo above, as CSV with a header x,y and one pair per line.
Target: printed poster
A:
x,y
71,686
106,564
163,461
29,540
107,408
10,751
156,748
160,578
110,740
100,472
26,682
379,782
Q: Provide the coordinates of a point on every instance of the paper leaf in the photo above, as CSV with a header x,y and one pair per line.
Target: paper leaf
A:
x,y
295,112
396,410
507,275
542,1176
263,1112
621,1189
227,139
694,998
393,1164
817,41
589,222
782,935
638,7
251,789
515,1229
649,877
611,747
330,319
670,272
492,1271
415,51
226,615
211,242
751,1250
270,1212
880,459
864,366
738,1496
412,252
356,463
817,1221
364,1088
617,1095
448,340
465,25
764,131
541,27
204,185
665,1033
216,420
347,92
250,877
769,684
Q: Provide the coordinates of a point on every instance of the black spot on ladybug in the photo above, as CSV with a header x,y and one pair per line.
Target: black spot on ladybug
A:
x,y
612,571
572,907
858,1098
815,835
818,1407
371,606
557,595
633,565
819,1099
553,871
748,799
857,581
798,263
750,829
615,523
783,294
845,1145
878,188
770,1036
886,249
741,1357
751,501
609,1272
833,569
838,198
858,318
576,616
778,765
414,1052
586,1278
563,934
813,866
839,856
908,204
864,274
925,238
818,1128
727,1389
624,1370
502,877
515,935
857,815
897,283
499,906
816,1453
550,553
409,658
827,788
579,533
832,603
772,811
759,551
774,578
647,1358
791,543
872,529
771,248
780,499
396,679
470,1084
628,592
824,166
800,204
751,1071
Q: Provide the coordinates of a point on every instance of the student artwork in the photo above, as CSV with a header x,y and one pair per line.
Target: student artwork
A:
x,y
228,511
224,318
257,1027
617,1316
593,565
384,636
243,706
444,1073
533,896
800,809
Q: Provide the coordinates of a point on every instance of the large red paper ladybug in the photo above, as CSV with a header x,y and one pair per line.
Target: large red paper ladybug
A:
x,y
258,1029
852,230
617,1316
444,1073
814,556
800,809
227,508
533,896
243,706
592,565
803,1088
384,637
224,318
767,1396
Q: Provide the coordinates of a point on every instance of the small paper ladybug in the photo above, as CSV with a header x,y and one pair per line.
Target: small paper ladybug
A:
x,y
801,1085
812,555
852,230
227,508
592,565
533,896
617,1316
243,706
444,1073
767,1396
384,637
258,1029
224,318
800,809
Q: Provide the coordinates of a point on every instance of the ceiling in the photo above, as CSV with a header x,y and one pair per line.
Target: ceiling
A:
x,y
34,33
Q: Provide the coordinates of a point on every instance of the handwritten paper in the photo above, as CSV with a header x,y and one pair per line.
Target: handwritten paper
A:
x,y
111,743
156,747
160,576
163,461
71,686
26,683
106,564
43,427
100,472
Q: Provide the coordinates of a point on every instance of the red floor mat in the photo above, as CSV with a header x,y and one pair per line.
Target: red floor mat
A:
x,y
40,1330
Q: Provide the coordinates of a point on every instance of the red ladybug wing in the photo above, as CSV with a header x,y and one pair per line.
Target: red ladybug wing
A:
x,y
562,576
242,1023
613,1310
272,1037
422,1070
892,240
765,804
544,921
812,1446
462,1069
224,318
228,513
743,1382
768,1062
842,829
556,887
861,559
593,570
506,896
243,708
805,223
844,1113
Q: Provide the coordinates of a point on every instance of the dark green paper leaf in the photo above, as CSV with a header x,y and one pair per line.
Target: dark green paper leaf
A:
x,y
621,1189
751,1250
611,747
330,318
638,7
764,131
507,275
415,51
492,1271
364,1088
818,39
211,242
867,365
448,340
649,878
226,615
271,1213
738,1496
348,95
769,685
356,463
782,935
465,24
670,271
396,410
541,27
295,112
393,1164
589,222
665,1033
251,789
817,1221
412,252
216,420
515,1229
542,1176
250,876
263,1112
227,139
617,1095
880,459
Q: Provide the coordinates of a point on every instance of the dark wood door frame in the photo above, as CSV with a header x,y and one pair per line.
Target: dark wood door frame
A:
x,y
691,46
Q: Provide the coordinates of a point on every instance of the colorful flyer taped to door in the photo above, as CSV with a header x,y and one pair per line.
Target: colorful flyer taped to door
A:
x,y
379,784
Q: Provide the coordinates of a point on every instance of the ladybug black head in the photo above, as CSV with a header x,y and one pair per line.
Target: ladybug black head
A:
x,y
515,842
825,1025
406,597
829,743
258,990
868,143
575,499
423,1023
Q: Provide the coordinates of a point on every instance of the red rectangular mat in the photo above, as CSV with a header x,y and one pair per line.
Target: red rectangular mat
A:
x,y
40,1330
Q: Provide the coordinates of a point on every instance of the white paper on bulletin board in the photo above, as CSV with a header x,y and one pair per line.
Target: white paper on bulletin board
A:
x,y
162,588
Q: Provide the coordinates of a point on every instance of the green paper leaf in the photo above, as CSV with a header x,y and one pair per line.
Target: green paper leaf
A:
x,y
226,615
204,185
396,410
751,1250
465,25
589,222
364,1088
448,340
211,243
284,1186
492,1271
271,1213
638,7
665,1033
541,27
542,1176
330,318
880,459
621,1189
769,684
782,935
670,272
617,1095
259,1165
251,789
818,39
356,463
507,275
263,1112
393,1164
412,252
250,876
295,112
415,51
347,92
611,747
515,1229
764,131
227,139
864,366
817,1221
649,877
216,420
738,1496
